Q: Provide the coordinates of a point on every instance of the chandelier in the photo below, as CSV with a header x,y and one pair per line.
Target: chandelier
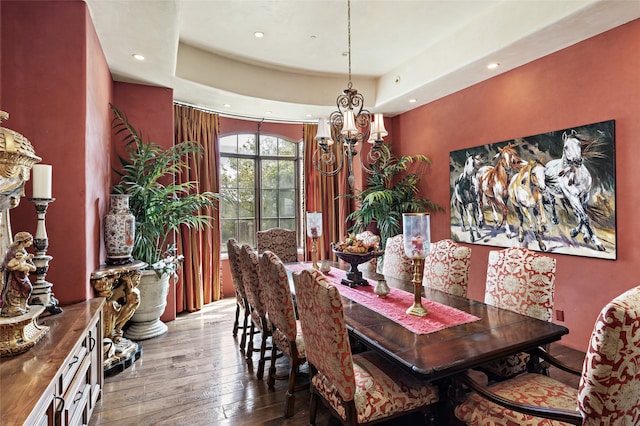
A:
x,y
349,125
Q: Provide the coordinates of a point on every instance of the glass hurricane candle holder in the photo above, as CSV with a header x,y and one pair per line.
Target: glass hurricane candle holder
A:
x,y
416,230
314,230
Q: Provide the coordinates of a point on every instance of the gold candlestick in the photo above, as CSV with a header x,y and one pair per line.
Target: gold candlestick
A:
x,y
417,309
314,251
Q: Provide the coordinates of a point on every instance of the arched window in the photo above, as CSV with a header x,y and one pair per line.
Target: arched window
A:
x,y
260,178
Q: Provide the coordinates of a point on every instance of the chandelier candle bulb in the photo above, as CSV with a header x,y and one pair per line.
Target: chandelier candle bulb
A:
x,y
41,180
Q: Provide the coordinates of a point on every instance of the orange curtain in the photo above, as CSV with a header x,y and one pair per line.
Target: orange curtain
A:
x,y
321,192
200,279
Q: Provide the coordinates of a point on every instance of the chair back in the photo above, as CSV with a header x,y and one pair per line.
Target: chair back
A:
x,y
275,282
447,267
396,264
282,242
251,281
324,330
233,249
610,384
522,281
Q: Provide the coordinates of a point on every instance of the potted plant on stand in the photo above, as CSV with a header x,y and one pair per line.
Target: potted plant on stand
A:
x,y
390,191
160,207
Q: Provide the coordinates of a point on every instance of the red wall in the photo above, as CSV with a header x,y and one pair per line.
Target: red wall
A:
x,y
586,83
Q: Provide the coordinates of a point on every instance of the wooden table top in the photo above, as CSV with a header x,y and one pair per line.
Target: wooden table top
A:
x,y
498,333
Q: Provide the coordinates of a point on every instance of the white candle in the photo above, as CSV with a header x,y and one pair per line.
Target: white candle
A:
x,y
41,180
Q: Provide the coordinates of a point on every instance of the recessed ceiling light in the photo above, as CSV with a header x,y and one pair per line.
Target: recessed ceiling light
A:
x,y
138,57
258,34
227,105
413,101
493,66
309,115
267,112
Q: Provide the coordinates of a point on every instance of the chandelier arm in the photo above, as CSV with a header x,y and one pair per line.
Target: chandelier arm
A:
x,y
322,159
377,152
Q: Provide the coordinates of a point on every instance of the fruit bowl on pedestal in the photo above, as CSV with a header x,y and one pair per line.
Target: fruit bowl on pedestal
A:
x,y
354,276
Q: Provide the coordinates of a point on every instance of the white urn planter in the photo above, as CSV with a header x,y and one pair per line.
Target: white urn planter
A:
x,y
145,322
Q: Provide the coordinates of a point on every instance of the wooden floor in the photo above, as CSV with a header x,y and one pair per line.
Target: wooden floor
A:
x,y
196,375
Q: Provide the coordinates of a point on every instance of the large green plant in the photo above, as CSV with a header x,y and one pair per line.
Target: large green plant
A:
x,y
159,205
390,191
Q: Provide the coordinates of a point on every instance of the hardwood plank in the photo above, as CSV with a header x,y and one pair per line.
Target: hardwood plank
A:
x,y
196,375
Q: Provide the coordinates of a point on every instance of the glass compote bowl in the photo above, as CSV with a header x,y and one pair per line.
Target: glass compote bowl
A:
x,y
354,276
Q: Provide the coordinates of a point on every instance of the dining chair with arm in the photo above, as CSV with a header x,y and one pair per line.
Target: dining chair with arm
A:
x,y
609,388
396,264
233,250
446,268
522,281
286,333
357,388
282,242
256,297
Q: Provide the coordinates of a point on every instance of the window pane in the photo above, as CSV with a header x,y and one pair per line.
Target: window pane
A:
x,y
227,230
268,145
269,223
229,144
228,172
287,175
229,206
247,144
288,203
269,203
269,174
288,224
246,173
247,232
286,148
247,200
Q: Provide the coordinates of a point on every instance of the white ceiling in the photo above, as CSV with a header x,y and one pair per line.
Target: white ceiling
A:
x,y
400,49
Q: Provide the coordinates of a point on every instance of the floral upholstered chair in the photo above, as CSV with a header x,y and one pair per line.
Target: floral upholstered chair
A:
x,y
256,298
282,242
447,268
396,264
609,384
233,250
522,281
369,237
286,333
360,388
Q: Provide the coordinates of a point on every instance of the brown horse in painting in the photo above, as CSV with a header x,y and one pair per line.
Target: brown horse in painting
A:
x,y
493,185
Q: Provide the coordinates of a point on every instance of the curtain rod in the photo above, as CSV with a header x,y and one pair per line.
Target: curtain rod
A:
x,y
230,115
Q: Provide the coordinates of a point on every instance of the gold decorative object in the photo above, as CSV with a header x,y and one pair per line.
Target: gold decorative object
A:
x,y
20,333
417,243
314,230
119,285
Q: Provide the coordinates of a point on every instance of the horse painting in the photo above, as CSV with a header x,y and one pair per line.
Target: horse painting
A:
x,y
526,194
570,181
493,184
553,192
465,198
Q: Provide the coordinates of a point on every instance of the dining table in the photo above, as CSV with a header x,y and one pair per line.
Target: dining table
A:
x,y
479,333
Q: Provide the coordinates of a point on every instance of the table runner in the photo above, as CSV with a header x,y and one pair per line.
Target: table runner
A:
x,y
396,303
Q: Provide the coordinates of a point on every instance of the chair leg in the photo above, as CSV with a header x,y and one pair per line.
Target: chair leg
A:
x,y
263,354
249,351
313,407
290,399
235,322
271,378
245,327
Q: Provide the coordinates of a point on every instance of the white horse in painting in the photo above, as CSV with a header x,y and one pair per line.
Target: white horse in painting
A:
x,y
569,180
526,194
465,197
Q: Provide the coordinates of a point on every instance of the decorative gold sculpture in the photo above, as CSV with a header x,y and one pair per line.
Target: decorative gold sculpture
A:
x,y
119,285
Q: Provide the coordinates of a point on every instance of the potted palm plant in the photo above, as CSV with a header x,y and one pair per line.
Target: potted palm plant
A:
x,y
160,206
390,191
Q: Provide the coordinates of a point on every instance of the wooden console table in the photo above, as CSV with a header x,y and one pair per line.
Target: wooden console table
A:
x,y
59,380
119,285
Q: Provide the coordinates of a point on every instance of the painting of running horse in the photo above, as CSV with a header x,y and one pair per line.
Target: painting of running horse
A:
x,y
552,192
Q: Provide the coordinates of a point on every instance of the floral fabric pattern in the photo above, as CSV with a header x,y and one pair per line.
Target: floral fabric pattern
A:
x,y
447,268
282,242
233,248
522,281
609,385
609,388
378,388
396,263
